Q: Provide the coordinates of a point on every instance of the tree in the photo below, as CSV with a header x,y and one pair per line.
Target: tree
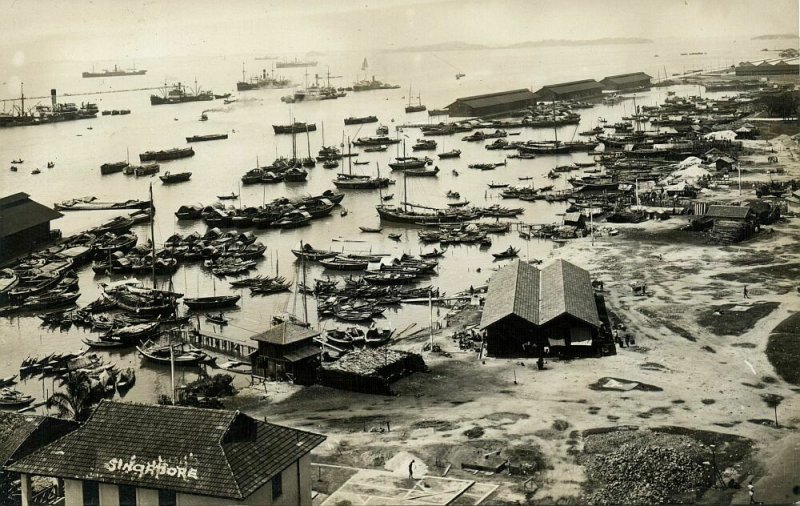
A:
x,y
773,401
78,398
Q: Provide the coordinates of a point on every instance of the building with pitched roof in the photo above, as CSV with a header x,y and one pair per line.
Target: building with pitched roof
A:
x,y
765,68
574,90
287,350
24,224
529,309
491,103
621,82
136,454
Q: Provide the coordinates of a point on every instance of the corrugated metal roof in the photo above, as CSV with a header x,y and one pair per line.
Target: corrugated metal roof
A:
x,y
492,99
285,333
573,86
303,352
512,290
567,289
18,212
196,451
540,295
736,212
13,198
627,78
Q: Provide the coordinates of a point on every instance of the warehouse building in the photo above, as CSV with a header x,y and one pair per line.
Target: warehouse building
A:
x,y
24,224
781,68
622,82
574,90
491,103
529,310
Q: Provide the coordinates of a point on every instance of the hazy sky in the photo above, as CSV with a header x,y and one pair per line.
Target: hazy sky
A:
x,y
131,29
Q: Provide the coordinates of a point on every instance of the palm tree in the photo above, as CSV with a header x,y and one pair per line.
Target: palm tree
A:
x,y
78,399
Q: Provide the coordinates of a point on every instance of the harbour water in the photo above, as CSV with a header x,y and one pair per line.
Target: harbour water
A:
x,y
79,148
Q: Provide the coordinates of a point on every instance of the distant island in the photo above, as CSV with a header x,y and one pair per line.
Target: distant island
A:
x,y
776,36
466,46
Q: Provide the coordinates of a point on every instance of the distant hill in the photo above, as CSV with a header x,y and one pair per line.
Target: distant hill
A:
x,y
467,46
591,42
776,36
442,46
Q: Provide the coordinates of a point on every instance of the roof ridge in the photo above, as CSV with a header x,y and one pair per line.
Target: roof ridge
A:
x,y
235,414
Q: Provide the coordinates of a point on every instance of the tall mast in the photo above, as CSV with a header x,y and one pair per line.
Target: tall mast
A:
x,y
22,99
405,186
555,128
380,189
303,267
308,141
349,157
323,134
243,72
153,234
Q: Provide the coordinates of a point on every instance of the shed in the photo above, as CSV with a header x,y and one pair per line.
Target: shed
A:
x,y
492,103
24,224
725,163
586,88
635,80
529,309
577,220
287,350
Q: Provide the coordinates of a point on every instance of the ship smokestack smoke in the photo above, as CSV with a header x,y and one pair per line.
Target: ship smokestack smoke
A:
x,y
53,98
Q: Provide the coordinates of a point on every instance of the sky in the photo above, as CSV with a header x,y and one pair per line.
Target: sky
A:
x,y
85,30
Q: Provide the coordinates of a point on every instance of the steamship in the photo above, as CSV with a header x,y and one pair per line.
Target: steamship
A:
x,y
117,72
43,114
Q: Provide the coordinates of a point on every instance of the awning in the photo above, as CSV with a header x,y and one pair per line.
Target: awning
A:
x,y
302,353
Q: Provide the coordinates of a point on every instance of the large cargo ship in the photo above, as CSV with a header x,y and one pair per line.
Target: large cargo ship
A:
x,y
294,64
115,73
44,114
177,94
264,80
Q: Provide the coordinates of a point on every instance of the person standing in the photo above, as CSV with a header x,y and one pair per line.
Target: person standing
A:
x,y
751,491
746,296
411,470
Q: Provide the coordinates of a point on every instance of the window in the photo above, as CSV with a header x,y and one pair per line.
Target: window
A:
x,y
91,493
167,498
127,495
277,486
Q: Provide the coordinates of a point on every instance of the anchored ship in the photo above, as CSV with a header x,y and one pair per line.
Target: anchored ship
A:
x,y
43,114
117,72
177,94
261,81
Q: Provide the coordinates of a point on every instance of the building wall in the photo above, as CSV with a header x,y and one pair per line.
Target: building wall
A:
x,y
293,494
24,240
641,83
549,95
459,109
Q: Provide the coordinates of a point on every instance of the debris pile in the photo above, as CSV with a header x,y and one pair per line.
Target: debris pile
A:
x,y
641,467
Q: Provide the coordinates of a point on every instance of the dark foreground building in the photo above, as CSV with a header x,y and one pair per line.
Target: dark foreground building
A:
x,y
137,454
622,82
24,224
491,103
528,309
574,90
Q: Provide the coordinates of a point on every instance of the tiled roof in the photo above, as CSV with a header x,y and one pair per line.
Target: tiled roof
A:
x,y
285,333
540,296
18,212
512,290
491,99
627,78
21,434
739,212
196,451
586,84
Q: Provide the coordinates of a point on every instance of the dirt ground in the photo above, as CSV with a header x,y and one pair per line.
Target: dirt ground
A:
x,y
711,375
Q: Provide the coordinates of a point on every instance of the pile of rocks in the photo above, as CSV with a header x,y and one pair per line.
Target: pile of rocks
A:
x,y
642,467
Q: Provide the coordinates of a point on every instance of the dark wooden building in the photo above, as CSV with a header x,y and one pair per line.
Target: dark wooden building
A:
x,y
529,309
574,90
23,434
24,224
491,103
287,351
622,82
